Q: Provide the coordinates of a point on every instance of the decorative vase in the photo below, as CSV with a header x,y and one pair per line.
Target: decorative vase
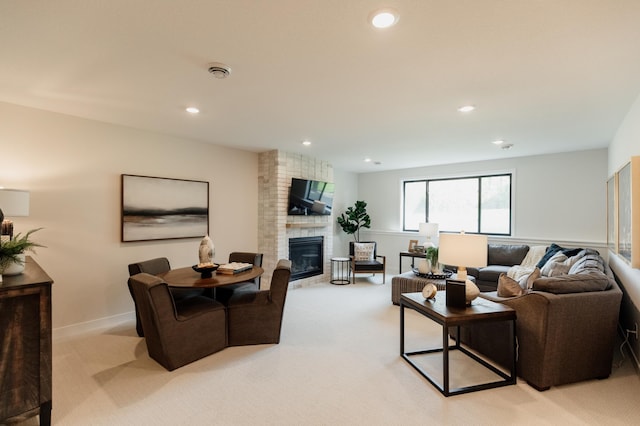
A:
x,y
14,268
206,251
471,291
424,266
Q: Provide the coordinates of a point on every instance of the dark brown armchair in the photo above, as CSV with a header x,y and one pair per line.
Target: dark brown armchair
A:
x,y
154,267
177,332
255,316
223,294
371,264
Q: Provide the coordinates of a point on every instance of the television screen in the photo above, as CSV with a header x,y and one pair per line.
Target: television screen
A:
x,y
310,197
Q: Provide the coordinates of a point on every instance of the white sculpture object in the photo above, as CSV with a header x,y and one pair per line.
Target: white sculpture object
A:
x,y
206,251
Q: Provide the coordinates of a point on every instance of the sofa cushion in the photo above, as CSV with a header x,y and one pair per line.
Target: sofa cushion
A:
x,y
553,249
492,273
364,251
559,264
575,283
506,254
589,260
508,287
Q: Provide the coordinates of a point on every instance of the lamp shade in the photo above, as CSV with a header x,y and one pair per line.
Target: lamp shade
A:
x,y
14,202
428,229
468,250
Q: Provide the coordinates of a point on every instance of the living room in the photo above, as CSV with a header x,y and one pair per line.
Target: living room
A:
x,y
71,164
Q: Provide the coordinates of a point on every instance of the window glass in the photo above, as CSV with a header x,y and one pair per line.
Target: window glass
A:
x,y
479,204
415,204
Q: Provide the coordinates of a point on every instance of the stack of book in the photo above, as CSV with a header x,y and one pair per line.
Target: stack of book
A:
x,y
234,268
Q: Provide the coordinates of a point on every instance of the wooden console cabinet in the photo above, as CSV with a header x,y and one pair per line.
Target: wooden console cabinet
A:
x,y
25,344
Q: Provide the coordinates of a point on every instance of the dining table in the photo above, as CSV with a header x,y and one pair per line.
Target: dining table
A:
x,y
188,277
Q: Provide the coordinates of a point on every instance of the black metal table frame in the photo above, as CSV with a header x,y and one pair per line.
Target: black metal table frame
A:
x,y
338,265
412,255
444,388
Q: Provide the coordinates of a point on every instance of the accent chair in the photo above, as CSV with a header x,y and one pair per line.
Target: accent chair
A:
x,y
224,293
177,332
255,316
154,267
365,260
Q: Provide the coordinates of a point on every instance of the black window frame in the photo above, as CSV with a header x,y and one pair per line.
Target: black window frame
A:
x,y
479,213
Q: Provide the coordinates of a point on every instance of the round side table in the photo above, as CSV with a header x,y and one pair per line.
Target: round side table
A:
x,y
340,270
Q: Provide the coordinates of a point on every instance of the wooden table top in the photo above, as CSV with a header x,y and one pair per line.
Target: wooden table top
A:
x,y
437,310
187,277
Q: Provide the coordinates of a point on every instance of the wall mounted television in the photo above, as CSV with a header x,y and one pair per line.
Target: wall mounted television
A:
x,y
310,197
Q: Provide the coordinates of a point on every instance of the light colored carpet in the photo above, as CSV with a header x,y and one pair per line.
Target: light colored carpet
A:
x,y
338,363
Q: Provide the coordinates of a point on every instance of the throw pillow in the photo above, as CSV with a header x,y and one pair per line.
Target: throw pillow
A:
x,y
508,287
532,278
363,251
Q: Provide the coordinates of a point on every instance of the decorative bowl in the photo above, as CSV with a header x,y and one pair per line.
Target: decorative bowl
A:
x,y
206,271
444,275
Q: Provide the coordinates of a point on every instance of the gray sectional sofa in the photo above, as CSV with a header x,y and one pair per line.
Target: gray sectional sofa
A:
x,y
566,323
500,257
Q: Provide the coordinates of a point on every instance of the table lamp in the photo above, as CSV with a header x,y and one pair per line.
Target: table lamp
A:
x,y
464,250
13,202
428,230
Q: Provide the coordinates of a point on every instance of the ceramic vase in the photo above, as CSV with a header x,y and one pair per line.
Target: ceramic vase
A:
x,y
206,251
14,268
424,266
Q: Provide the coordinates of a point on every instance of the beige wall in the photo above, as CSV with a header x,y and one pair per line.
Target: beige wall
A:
x,y
72,167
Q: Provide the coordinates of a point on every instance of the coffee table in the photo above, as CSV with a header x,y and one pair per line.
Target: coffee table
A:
x,y
481,310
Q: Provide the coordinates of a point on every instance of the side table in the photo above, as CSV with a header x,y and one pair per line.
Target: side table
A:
x,y
479,311
340,270
412,255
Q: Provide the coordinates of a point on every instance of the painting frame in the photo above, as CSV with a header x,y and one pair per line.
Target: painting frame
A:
x,y
412,245
160,208
624,206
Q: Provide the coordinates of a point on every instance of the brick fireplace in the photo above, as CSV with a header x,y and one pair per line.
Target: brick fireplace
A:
x,y
275,227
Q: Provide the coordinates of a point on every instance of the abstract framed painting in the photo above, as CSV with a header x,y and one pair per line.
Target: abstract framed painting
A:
x,y
157,208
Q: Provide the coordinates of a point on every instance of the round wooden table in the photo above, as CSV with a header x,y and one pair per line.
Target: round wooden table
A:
x,y
187,277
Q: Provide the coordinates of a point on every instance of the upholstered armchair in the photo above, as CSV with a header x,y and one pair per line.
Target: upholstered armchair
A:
x,y
365,259
154,267
224,293
255,316
178,332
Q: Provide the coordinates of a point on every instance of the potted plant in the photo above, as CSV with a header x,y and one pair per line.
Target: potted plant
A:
x,y
12,253
354,218
432,256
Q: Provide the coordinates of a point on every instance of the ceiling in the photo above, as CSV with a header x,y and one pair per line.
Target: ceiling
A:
x,y
546,76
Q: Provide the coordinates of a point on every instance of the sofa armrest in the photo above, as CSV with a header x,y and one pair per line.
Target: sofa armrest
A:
x,y
556,331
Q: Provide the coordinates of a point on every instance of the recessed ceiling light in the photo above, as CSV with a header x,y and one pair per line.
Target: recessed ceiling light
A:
x,y
498,142
384,18
192,110
306,143
466,108
367,160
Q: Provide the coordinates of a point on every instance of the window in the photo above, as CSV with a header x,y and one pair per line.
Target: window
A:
x,y
478,204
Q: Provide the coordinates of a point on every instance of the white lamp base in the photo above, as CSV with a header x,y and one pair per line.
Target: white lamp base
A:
x,y
471,289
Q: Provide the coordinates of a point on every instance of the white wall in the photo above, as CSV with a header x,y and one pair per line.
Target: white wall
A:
x,y
625,145
557,198
346,196
72,167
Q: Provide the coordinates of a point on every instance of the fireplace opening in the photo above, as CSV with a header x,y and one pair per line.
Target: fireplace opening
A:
x,y
306,255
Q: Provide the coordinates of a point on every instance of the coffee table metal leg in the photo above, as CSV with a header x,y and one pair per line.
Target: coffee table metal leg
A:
x,y
445,360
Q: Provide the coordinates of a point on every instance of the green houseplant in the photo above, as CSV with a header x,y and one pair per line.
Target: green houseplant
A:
x,y
354,218
13,251
432,256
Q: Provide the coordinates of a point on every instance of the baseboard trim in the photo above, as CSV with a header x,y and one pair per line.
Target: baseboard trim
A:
x,y
93,326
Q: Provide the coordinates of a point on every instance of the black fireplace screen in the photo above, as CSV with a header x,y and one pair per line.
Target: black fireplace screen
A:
x,y
306,255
